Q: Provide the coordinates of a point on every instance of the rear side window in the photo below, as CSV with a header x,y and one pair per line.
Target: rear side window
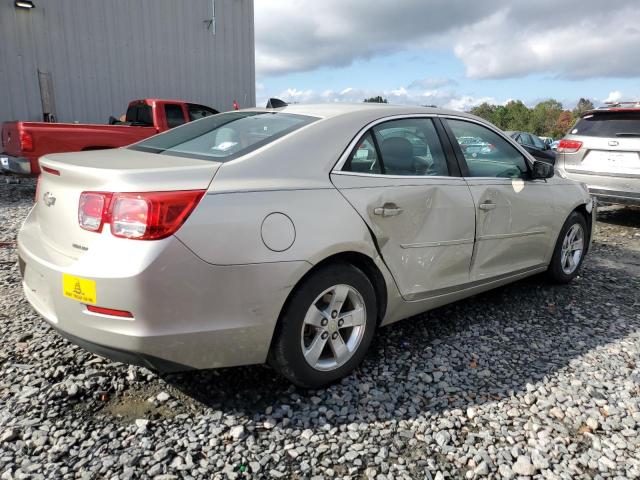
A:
x,y
140,114
608,124
408,147
225,136
174,115
364,158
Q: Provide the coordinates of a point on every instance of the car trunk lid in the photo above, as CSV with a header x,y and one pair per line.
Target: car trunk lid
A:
x,y
66,176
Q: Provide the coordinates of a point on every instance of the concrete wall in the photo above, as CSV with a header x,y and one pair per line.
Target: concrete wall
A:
x,y
103,53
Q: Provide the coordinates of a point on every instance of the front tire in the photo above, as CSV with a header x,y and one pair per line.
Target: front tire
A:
x,y
326,328
570,249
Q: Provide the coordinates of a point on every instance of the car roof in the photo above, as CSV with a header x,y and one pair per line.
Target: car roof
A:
x,y
374,110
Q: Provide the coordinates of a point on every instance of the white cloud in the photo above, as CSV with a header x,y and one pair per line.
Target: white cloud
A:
x,y
400,96
599,41
614,96
493,38
299,35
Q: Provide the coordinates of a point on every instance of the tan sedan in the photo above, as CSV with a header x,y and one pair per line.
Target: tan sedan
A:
x,y
289,235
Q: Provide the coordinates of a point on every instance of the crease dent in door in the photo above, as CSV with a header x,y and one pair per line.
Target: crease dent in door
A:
x,y
428,245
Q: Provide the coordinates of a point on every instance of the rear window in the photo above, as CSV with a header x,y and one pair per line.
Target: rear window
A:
x,y
140,114
608,124
224,137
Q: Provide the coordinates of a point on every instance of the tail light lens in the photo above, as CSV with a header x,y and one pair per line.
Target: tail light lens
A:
x,y
569,146
140,216
93,210
26,142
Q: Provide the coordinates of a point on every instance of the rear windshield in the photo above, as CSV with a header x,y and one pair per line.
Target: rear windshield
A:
x,y
608,124
223,137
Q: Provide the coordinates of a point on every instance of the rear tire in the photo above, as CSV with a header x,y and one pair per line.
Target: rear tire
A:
x,y
326,328
570,249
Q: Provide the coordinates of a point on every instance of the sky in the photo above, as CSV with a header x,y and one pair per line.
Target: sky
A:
x,y
450,53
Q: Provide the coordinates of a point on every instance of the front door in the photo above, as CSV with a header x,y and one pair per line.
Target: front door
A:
x,y
398,177
513,212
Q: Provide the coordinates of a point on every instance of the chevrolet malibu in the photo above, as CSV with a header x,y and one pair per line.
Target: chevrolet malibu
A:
x,y
289,236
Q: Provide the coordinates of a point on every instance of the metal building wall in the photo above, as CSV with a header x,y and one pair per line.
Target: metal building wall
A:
x,y
103,53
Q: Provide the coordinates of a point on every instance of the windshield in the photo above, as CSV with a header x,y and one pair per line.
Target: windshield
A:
x,y
608,124
223,137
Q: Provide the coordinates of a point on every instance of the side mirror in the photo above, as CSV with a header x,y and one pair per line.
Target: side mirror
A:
x,y
542,170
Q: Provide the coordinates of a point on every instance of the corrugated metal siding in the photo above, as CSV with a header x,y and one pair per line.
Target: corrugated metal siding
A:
x,y
104,53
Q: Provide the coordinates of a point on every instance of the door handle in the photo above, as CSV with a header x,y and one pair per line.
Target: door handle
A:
x,y
487,206
388,210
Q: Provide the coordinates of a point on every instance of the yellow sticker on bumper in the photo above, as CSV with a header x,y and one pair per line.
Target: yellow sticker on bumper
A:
x,y
80,289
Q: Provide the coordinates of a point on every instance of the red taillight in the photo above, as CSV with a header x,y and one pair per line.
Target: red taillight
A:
x,y
109,311
139,216
93,210
26,142
568,146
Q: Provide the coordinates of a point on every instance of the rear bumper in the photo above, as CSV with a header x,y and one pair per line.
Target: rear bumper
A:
x,y
620,189
19,166
613,196
187,314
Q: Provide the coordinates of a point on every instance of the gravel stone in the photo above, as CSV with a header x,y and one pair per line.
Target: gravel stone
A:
x,y
530,379
523,466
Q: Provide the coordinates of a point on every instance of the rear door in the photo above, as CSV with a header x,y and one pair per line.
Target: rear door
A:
x,y
405,184
514,214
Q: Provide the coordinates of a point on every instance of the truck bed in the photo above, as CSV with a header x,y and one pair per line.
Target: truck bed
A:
x,y
66,137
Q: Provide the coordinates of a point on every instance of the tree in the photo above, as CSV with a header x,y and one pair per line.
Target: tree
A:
x,y
563,123
484,110
377,99
583,105
516,115
543,117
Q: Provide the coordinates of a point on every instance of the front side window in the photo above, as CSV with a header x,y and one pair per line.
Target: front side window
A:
x,y
525,139
537,142
491,155
174,115
225,136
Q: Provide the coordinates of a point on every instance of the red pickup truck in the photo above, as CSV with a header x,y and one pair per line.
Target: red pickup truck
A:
x,y
24,142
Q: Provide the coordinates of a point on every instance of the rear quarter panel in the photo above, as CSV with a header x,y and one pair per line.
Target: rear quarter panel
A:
x,y
227,228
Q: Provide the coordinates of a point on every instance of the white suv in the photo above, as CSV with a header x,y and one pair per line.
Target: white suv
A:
x,y
603,151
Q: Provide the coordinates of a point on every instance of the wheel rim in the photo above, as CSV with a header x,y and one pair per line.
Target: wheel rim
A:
x,y
572,247
333,327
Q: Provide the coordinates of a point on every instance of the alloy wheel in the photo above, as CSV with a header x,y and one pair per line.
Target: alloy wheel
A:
x,y
572,248
333,327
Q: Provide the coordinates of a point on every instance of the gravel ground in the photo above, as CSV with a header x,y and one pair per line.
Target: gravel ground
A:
x,y
527,380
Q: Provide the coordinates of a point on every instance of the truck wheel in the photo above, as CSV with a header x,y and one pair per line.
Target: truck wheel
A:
x,y
569,250
325,330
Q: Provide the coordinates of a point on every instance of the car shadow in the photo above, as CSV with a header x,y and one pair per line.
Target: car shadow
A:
x,y
485,348
620,216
